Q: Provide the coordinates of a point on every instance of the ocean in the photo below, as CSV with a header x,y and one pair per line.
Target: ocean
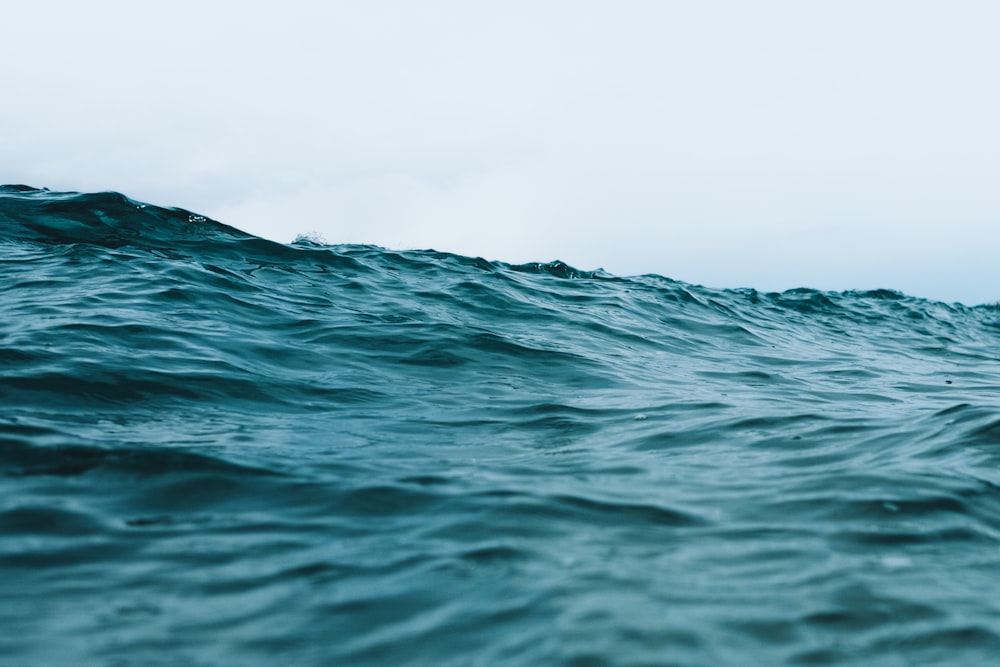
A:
x,y
220,450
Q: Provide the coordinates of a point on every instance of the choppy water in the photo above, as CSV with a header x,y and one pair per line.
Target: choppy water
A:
x,y
219,450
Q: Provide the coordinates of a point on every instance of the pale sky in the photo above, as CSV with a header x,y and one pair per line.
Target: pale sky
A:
x,y
769,144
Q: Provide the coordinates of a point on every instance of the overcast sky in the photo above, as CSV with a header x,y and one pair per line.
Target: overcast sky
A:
x,y
768,144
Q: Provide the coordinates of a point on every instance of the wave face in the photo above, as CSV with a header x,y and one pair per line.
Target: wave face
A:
x,y
220,450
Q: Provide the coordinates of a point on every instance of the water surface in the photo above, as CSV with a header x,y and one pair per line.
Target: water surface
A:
x,y
219,450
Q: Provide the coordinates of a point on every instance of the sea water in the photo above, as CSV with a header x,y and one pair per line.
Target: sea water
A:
x,y
220,450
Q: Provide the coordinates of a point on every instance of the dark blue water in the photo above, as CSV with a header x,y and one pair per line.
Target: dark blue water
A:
x,y
219,450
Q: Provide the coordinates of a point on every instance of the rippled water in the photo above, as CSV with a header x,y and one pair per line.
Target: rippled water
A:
x,y
218,450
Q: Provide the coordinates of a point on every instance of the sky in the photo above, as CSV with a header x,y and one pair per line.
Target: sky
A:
x,y
770,144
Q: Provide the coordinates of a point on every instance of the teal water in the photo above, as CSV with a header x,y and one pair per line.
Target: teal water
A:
x,y
219,450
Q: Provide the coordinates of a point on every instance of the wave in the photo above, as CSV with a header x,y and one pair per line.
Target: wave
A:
x,y
220,449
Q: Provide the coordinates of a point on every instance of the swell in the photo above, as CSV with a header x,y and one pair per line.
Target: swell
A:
x,y
228,450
